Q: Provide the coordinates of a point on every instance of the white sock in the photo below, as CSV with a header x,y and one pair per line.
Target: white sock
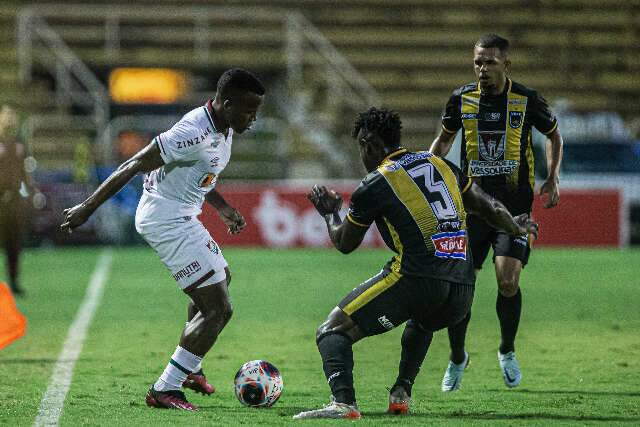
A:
x,y
182,363
199,367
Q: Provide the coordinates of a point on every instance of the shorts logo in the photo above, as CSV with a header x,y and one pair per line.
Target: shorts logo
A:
x,y
206,180
491,144
515,119
522,240
187,271
450,244
386,323
212,246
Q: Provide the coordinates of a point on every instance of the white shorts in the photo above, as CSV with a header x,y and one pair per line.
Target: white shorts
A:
x,y
187,249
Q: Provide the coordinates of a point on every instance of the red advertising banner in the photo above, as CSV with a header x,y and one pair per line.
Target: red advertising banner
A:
x,y
279,215
589,217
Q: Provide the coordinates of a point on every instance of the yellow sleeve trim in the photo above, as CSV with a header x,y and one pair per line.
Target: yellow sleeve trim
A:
x,y
444,128
353,221
468,186
555,126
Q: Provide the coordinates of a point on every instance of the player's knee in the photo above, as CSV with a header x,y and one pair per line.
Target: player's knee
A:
x,y
508,286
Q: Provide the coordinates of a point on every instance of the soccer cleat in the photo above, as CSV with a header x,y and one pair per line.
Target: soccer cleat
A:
x,y
399,401
332,410
171,399
452,379
197,382
510,369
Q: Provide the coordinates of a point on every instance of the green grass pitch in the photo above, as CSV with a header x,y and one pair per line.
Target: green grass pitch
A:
x,y
579,341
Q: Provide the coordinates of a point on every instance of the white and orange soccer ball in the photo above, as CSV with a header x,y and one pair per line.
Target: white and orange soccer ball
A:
x,y
258,384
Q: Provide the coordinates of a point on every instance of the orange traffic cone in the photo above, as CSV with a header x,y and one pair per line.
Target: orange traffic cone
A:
x,y
12,323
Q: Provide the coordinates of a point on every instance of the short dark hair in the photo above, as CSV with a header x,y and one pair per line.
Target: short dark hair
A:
x,y
385,123
240,80
494,40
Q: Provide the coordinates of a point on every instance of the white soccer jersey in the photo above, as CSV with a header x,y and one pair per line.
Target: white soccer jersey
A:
x,y
194,154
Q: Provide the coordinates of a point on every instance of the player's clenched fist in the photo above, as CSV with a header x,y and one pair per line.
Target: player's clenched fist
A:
x,y
75,217
325,201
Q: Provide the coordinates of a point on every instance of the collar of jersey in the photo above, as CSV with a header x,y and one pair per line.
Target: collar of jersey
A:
x,y
507,87
395,153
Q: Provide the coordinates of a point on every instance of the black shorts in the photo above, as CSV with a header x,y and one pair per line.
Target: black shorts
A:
x,y
482,236
389,299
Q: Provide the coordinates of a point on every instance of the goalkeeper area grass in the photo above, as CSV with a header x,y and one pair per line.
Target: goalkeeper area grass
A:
x,y
578,344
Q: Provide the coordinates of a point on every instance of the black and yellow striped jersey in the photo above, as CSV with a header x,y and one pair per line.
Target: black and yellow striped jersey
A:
x,y
415,200
497,150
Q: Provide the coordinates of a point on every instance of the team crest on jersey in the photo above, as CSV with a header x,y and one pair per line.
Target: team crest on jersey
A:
x,y
515,119
450,244
212,246
491,144
206,180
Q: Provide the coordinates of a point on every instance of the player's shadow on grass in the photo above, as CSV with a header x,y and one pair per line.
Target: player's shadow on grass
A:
x,y
494,416
575,392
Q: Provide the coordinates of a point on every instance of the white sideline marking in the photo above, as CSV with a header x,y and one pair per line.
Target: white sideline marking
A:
x,y
53,399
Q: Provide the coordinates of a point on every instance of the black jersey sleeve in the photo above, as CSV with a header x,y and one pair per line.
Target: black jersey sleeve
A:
x,y
463,180
451,119
363,208
541,115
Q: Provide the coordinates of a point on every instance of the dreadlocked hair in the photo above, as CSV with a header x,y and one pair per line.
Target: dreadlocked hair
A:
x,y
385,123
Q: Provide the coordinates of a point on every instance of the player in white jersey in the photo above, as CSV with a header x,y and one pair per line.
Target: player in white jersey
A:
x,y
182,166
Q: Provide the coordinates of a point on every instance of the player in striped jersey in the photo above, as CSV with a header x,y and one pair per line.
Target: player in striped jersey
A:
x,y
419,203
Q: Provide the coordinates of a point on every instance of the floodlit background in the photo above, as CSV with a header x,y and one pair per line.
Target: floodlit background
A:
x,y
93,82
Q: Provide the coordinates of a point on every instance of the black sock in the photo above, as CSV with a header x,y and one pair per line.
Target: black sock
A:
x,y
13,256
457,335
415,344
337,362
508,309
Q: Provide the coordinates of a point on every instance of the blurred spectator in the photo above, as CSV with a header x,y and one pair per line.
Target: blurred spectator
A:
x,y
15,188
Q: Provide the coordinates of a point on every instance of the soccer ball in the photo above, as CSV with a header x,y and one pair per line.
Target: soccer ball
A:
x,y
258,384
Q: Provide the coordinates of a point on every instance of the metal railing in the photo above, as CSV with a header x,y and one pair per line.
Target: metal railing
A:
x,y
305,48
343,86
74,81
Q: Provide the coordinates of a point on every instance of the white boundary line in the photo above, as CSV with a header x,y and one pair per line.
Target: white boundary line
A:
x,y
53,399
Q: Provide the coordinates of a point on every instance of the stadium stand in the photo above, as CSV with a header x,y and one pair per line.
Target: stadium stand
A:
x,y
413,52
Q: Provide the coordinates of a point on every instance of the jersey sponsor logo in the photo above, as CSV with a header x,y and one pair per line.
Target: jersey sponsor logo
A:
x,y
409,158
517,102
469,116
206,180
212,246
450,244
515,119
492,117
495,167
195,141
491,144
187,271
449,226
386,323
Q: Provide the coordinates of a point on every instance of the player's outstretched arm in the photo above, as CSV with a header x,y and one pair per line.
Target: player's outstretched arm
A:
x,y
231,217
145,160
496,214
344,235
442,144
553,151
